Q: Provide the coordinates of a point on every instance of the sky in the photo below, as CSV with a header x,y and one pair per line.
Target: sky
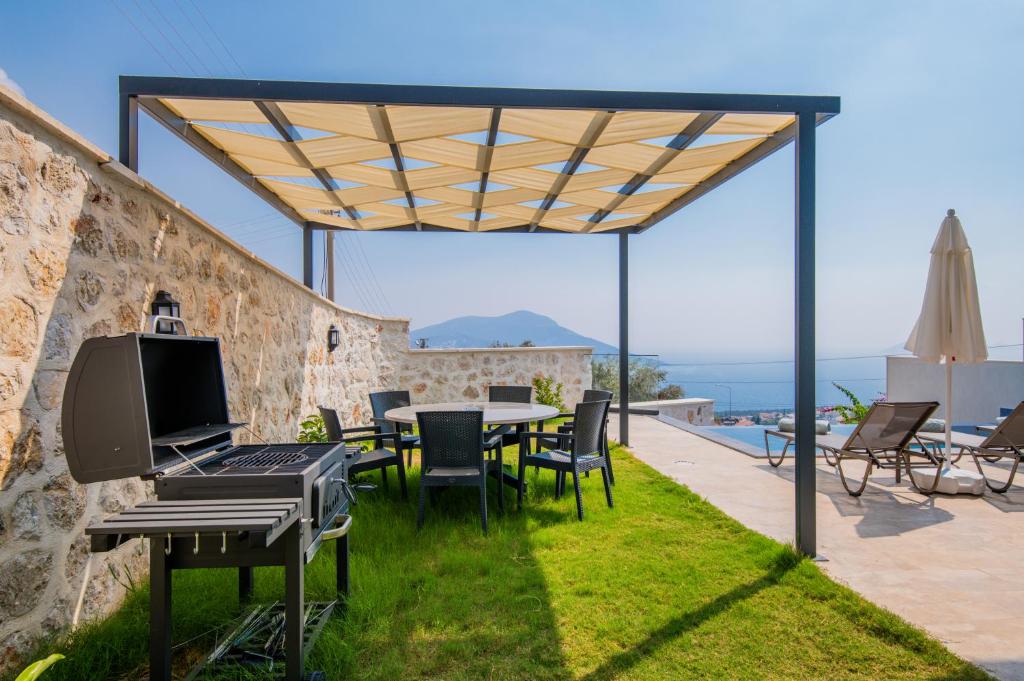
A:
x,y
930,92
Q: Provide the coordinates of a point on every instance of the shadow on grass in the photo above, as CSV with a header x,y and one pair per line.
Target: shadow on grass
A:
x,y
443,601
676,627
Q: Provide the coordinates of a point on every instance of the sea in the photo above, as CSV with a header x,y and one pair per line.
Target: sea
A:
x,y
765,384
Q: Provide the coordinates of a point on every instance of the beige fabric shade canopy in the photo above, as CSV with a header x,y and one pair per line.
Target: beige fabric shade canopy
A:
x,y
379,158
474,168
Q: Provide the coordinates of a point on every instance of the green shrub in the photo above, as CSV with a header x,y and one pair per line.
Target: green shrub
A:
x,y
312,429
549,392
646,379
849,413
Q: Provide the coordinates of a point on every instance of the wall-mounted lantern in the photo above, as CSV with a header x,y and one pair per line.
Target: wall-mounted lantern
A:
x,y
165,314
333,338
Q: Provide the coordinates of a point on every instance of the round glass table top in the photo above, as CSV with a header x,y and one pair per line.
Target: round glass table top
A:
x,y
498,413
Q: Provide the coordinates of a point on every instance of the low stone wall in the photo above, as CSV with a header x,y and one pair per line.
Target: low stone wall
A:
x,y
457,374
696,411
84,245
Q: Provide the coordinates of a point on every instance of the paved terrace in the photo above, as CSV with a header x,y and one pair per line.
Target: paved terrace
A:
x,y
951,565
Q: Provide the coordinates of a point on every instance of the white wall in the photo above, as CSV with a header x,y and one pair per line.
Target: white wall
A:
x,y
979,390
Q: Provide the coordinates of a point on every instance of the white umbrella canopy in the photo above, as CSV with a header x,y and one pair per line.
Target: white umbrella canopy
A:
x,y
949,328
950,323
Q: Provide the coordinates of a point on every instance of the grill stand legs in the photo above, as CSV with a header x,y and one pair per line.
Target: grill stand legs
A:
x,y
245,580
341,565
159,613
294,607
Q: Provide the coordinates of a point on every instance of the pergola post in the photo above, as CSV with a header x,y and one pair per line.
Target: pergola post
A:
x,y
804,402
329,245
624,338
128,132
307,256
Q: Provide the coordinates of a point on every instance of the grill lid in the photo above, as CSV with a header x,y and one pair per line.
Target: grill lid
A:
x,y
137,404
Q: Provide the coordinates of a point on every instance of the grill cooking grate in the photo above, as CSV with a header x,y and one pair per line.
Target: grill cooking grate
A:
x,y
265,459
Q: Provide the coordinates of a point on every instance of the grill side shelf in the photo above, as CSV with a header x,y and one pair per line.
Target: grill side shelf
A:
x,y
264,521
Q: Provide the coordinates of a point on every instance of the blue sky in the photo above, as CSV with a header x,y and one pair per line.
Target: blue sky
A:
x,y
931,103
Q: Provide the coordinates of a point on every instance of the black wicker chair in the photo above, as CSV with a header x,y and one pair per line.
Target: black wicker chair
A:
x,y
380,403
379,457
589,395
503,436
581,451
452,454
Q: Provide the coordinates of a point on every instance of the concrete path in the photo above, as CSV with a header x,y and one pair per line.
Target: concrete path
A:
x,y
953,566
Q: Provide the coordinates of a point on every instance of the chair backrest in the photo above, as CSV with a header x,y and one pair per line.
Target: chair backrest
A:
x,y
1009,433
381,402
452,439
890,425
595,395
588,426
331,423
510,393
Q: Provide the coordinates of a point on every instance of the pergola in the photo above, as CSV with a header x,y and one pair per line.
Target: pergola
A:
x,y
352,156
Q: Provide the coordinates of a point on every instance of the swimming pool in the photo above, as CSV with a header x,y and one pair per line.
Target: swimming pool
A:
x,y
753,436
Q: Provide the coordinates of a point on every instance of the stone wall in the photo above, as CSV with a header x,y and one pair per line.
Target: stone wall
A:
x,y
84,245
453,375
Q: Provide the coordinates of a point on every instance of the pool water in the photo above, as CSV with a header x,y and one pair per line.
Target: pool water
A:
x,y
754,435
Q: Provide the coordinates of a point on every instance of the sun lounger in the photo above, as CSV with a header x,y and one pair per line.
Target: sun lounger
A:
x,y
1003,441
882,439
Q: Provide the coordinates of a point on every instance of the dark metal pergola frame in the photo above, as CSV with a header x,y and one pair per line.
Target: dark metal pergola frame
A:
x,y
809,111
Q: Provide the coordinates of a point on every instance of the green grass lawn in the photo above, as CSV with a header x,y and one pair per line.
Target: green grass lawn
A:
x,y
663,586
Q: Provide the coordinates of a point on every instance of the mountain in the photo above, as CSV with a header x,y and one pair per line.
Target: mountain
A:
x,y
512,328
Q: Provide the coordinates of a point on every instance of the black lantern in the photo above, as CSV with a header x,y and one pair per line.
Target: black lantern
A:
x,y
164,305
333,338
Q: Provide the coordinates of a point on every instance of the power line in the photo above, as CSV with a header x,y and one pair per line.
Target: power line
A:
x,y
367,274
790,361
159,30
323,273
357,274
209,47
256,225
271,237
373,275
348,275
217,37
819,380
145,38
180,37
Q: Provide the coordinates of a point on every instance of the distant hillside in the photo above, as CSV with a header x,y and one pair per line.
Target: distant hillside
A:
x,y
512,328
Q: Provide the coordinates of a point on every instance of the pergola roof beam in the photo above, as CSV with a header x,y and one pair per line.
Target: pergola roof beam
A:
x,y
761,151
179,127
685,138
284,127
444,95
381,123
485,164
589,137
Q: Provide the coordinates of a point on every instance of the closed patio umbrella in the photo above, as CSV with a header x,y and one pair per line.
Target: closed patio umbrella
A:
x,y
949,328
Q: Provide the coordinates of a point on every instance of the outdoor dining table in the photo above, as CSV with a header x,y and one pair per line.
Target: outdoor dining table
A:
x,y
516,414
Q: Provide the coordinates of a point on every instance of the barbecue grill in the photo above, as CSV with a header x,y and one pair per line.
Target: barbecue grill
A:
x,y
155,406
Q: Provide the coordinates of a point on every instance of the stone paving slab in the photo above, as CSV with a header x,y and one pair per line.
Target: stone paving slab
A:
x,y
953,566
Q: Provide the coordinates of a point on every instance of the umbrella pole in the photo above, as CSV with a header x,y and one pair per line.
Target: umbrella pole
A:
x,y
949,414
